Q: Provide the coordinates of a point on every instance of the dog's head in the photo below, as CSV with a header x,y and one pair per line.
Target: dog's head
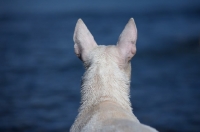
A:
x,y
88,51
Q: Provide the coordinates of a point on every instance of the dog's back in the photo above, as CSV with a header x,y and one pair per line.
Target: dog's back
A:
x,y
105,89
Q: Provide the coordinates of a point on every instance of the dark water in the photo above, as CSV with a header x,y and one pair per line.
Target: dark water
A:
x,y
40,74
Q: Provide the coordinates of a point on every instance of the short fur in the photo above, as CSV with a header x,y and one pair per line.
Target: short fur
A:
x,y
105,103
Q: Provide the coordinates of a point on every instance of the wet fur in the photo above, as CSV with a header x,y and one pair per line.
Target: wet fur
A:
x,y
105,103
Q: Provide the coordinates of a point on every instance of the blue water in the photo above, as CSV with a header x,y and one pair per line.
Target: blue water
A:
x,y
40,74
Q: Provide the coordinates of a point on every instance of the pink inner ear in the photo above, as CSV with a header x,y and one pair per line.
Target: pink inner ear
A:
x,y
127,40
76,50
83,40
127,50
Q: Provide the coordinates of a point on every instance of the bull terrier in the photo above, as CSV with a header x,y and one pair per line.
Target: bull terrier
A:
x,y
105,103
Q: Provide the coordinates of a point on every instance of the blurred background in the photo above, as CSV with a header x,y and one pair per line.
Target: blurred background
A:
x,y
40,75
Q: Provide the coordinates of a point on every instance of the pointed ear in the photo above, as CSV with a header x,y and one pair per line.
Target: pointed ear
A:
x,y
127,40
83,40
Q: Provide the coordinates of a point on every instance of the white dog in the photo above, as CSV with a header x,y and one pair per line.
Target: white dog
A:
x,y
105,103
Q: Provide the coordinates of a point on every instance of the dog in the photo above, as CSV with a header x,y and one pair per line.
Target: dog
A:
x,y
105,104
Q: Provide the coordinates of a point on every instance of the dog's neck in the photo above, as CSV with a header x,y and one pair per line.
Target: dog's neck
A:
x,y
104,81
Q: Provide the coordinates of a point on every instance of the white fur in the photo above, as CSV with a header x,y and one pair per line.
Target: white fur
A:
x,y
105,103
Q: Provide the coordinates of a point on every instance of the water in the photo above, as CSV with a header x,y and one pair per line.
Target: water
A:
x,y
40,74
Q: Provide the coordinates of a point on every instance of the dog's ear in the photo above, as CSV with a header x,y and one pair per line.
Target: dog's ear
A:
x,y
127,40
83,40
